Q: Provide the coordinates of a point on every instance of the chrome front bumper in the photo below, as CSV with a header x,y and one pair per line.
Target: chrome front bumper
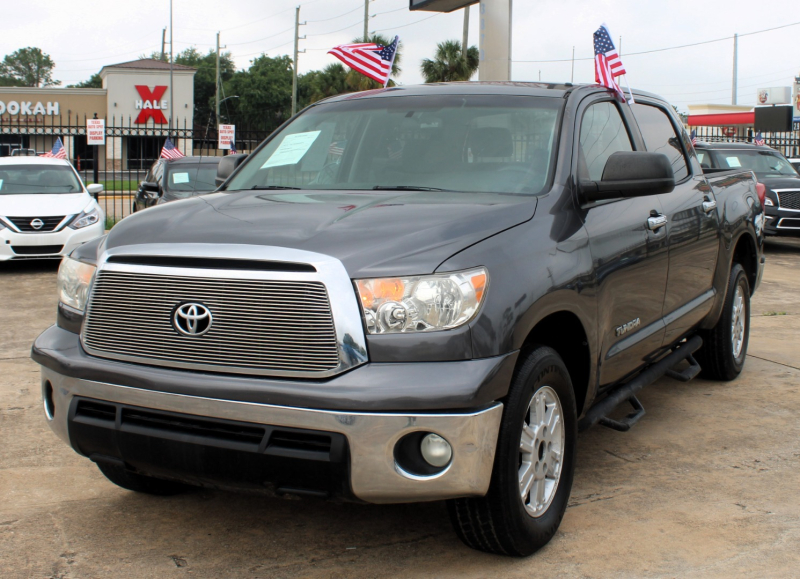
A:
x,y
374,475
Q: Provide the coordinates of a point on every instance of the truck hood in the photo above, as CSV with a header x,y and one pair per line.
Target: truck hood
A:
x,y
772,183
373,233
43,205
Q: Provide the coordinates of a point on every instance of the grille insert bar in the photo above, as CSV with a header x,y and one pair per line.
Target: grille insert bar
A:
x,y
36,249
259,326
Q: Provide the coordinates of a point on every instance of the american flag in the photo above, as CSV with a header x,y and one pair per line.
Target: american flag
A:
x,y
170,151
759,140
233,149
336,148
607,64
694,137
370,59
58,151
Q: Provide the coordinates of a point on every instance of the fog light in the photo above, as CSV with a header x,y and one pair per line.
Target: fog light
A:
x,y
436,450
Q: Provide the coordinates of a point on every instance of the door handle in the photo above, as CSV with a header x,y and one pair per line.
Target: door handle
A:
x,y
709,206
656,222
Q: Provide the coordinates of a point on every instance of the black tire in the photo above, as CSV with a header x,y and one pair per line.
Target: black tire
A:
x,y
717,357
499,522
140,483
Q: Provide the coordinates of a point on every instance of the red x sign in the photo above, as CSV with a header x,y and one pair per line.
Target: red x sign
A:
x,y
150,104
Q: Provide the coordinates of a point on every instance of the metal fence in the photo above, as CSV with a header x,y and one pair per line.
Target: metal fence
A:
x,y
130,150
787,143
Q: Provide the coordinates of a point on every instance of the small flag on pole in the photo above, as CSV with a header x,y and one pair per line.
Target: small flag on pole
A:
x,y
607,64
694,137
372,60
57,152
233,149
759,140
170,151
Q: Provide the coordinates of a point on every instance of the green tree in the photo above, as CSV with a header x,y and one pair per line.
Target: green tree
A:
x,y
94,82
357,81
205,80
30,67
264,91
449,63
319,84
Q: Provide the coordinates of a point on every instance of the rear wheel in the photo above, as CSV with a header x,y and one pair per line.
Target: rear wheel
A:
x,y
139,483
725,345
534,463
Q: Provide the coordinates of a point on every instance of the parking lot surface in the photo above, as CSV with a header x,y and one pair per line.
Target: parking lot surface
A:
x,y
706,485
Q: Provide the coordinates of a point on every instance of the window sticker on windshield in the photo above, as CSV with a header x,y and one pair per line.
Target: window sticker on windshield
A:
x,y
733,161
180,178
1,184
291,149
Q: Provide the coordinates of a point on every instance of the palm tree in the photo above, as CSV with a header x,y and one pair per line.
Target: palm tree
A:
x,y
357,81
329,81
450,64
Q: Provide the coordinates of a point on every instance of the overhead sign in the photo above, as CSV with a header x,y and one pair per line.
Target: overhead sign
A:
x,y
775,119
95,131
780,95
151,105
227,135
440,5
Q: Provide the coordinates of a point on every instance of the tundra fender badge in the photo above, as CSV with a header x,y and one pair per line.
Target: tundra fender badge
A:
x,y
625,328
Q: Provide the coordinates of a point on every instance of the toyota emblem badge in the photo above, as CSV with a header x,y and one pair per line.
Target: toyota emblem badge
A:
x,y
192,319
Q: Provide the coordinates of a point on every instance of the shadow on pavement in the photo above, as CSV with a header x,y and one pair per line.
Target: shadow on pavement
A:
x,y
782,245
29,266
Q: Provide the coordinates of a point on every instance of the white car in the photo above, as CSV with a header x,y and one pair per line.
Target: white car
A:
x,y
45,209
795,163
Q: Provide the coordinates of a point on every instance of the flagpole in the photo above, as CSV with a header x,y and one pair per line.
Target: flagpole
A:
x,y
391,64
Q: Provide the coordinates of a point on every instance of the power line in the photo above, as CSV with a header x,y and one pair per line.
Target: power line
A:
x,y
626,55
359,7
409,24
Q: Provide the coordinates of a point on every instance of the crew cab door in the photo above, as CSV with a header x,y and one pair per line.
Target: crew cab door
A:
x,y
692,223
629,257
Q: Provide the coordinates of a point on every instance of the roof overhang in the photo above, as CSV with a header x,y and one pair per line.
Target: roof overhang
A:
x,y
722,119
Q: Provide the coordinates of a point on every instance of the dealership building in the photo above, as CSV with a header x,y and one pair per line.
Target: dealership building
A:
x,y
135,101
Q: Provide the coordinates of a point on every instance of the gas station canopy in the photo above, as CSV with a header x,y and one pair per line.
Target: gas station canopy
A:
x,y
440,5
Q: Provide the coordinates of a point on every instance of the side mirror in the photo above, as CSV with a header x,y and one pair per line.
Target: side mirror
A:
x,y
227,165
94,190
631,174
150,187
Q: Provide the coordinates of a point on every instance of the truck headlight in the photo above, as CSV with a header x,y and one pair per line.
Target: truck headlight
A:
x,y
768,202
422,303
86,218
74,280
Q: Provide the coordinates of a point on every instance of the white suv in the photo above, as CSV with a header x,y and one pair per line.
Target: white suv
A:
x,y
45,210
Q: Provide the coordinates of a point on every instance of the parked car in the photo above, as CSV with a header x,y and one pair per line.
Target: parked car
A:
x,y
45,209
171,179
795,163
409,295
23,152
779,176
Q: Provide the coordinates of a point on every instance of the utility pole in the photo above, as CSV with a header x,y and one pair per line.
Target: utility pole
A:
x,y
572,74
216,92
366,20
735,67
297,39
171,62
163,43
465,36
495,40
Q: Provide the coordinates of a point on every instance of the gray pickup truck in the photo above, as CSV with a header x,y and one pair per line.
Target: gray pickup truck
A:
x,y
410,294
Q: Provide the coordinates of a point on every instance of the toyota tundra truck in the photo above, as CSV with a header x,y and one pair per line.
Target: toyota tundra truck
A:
x,y
413,294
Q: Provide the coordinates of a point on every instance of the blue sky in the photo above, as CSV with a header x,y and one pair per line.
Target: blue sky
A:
x,y
83,35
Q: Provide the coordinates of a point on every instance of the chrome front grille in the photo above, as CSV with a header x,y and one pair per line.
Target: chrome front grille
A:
x,y
789,199
48,224
260,326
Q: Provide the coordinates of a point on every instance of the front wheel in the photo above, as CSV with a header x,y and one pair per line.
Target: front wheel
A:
x,y
725,345
534,463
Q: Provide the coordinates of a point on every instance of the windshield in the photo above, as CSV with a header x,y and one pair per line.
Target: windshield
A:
x,y
444,142
762,163
32,179
186,180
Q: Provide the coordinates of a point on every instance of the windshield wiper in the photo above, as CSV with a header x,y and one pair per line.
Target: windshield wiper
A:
x,y
405,188
273,187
